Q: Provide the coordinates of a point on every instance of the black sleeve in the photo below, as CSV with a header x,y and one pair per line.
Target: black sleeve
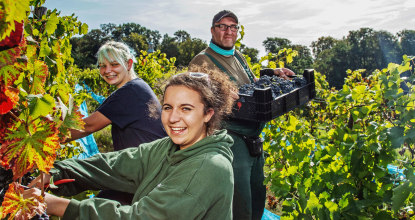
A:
x,y
127,104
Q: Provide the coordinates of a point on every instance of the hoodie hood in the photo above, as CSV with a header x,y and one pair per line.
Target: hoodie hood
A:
x,y
219,142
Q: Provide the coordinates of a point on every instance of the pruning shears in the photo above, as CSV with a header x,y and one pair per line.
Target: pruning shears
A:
x,y
58,182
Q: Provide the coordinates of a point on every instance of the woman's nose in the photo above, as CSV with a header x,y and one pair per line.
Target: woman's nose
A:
x,y
108,69
174,116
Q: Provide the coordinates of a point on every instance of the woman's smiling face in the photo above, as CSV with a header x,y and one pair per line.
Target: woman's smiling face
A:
x,y
114,73
183,116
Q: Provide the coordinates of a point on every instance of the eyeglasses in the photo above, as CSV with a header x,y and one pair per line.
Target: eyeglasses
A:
x,y
200,75
224,27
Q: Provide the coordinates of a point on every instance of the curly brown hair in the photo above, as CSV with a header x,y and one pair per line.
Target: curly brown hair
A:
x,y
215,94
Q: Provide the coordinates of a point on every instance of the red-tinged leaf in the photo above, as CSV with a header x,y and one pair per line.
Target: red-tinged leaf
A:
x,y
8,57
8,99
72,120
39,77
14,39
24,147
10,73
12,11
20,208
31,52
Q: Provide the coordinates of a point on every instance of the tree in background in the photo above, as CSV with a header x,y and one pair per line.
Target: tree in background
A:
x,y
331,59
251,52
169,46
182,46
304,59
84,48
407,42
181,36
134,35
362,49
323,43
189,49
136,42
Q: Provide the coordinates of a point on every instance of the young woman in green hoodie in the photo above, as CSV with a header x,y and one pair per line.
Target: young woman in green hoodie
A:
x,y
187,175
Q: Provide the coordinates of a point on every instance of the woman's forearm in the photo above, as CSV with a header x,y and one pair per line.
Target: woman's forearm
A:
x,y
56,205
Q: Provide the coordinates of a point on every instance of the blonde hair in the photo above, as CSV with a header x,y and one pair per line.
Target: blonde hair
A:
x,y
118,52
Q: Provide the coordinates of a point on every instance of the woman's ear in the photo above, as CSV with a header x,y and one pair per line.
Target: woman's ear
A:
x,y
130,64
209,115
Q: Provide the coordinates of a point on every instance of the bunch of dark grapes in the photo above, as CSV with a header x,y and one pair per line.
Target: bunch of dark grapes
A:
x,y
6,177
247,89
27,179
44,216
278,85
300,81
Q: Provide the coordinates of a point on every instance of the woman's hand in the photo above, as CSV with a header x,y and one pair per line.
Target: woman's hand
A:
x,y
234,95
55,205
283,73
37,182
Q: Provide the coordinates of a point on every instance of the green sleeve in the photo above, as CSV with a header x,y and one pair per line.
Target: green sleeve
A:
x,y
101,172
191,191
161,203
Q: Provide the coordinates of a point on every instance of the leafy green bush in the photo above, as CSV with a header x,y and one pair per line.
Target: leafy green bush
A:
x,y
328,159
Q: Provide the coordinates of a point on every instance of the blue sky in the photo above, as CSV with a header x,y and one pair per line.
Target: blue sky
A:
x,y
300,21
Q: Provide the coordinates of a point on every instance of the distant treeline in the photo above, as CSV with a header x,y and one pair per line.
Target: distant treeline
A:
x,y
362,49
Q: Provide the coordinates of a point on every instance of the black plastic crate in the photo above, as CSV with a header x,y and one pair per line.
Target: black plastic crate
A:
x,y
262,107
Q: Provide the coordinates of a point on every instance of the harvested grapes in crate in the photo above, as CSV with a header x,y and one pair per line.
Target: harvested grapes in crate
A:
x,y
272,96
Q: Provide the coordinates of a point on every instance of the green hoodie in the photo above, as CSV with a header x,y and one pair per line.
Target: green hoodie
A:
x,y
168,183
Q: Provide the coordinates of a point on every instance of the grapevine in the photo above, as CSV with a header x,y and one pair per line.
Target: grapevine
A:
x,y
37,102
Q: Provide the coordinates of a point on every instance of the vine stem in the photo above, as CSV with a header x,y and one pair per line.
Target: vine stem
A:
x,y
14,116
42,186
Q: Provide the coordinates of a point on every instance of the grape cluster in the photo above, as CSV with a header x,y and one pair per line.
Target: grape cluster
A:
x,y
44,216
278,85
6,177
27,179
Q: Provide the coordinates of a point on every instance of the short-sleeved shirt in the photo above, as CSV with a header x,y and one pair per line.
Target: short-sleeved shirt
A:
x,y
128,110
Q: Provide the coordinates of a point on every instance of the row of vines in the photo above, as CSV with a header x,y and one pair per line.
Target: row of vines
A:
x,y
329,159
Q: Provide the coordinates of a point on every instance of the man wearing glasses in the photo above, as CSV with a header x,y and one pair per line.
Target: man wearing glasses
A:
x,y
249,190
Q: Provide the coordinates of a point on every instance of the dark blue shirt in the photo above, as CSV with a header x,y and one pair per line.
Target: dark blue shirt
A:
x,y
127,108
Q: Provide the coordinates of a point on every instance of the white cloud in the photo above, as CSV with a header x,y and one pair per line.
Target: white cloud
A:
x,y
300,21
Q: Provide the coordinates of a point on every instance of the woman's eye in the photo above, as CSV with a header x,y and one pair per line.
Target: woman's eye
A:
x,y
115,64
166,108
186,109
101,66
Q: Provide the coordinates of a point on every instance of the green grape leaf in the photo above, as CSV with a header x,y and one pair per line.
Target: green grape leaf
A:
x,y
313,202
52,23
39,77
40,105
395,135
27,145
331,206
384,215
400,194
45,50
358,92
84,29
